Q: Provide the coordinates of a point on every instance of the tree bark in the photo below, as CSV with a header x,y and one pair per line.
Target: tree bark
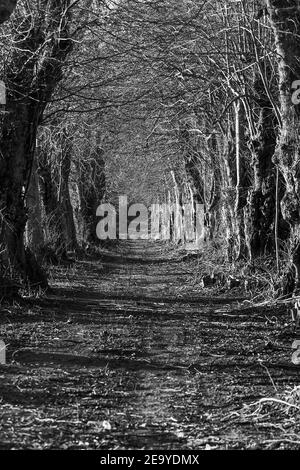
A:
x,y
261,207
92,186
34,229
17,140
64,200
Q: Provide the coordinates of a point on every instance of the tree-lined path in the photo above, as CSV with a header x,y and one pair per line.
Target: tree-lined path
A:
x,y
128,352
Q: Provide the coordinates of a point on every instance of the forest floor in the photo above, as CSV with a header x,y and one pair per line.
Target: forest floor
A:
x,y
128,352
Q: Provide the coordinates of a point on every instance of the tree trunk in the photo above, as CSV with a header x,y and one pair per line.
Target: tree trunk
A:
x,y
92,188
260,211
17,152
240,187
34,229
55,226
236,189
67,216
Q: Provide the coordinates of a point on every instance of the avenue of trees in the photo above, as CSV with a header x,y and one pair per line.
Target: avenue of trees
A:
x,y
163,100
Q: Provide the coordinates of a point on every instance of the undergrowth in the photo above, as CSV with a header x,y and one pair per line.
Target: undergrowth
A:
x,y
260,279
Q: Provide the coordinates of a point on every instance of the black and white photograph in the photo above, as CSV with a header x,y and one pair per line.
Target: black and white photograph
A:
x,y
149,229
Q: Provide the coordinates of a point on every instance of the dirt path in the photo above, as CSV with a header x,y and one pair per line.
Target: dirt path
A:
x,y
127,353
